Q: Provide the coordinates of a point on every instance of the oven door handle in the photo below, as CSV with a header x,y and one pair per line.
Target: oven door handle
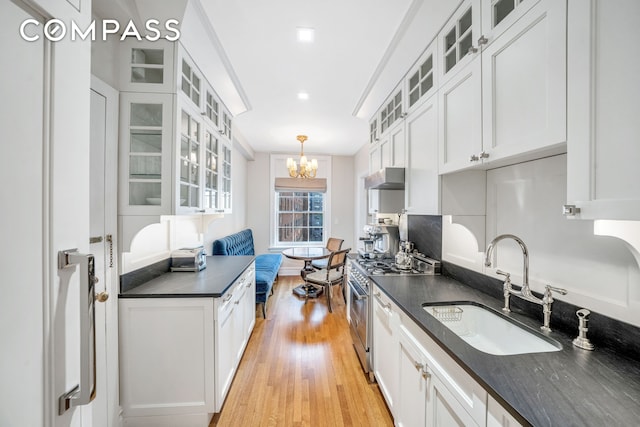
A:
x,y
357,291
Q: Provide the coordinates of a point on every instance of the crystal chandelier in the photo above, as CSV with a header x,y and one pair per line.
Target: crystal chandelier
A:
x,y
307,169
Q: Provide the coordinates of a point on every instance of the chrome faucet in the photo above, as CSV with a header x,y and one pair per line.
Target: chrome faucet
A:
x,y
525,292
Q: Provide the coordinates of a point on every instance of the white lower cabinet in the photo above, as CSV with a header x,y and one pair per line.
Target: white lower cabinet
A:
x,y
497,416
233,327
385,350
422,384
414,377
178,356
166,361
428,396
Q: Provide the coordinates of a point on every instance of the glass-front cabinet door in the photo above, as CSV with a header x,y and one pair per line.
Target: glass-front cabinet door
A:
x,y
147,66
190,161
211,174
145,163
226,177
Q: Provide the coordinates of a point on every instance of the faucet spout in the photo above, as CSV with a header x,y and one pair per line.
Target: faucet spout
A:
x,y
526,292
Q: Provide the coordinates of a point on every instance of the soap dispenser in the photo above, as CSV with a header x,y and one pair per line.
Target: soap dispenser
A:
x,y
581,340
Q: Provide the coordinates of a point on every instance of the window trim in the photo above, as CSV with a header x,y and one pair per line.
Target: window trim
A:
x,y
278,169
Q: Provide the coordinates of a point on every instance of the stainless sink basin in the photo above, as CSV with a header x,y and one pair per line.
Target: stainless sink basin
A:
x,y
490,332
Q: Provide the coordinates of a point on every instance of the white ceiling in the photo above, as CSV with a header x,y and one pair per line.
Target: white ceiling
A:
x,y
358,43
259,38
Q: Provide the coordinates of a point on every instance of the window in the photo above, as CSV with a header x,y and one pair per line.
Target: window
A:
x,y
299,217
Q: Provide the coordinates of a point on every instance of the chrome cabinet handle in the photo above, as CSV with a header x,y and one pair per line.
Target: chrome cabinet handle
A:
x,y
473,158
227,299
472,50
85,392
483,155
482,40
387,306
422,369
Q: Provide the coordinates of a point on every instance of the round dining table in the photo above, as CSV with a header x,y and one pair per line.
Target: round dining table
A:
x,y
307,254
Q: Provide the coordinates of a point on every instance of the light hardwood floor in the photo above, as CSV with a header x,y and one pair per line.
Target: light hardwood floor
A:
x,y
300,369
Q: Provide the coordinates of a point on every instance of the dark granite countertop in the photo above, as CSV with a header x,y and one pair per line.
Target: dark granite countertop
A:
x,y
213,281
571,387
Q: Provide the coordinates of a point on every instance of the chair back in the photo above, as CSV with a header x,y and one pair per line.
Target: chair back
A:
x,y
337,259
334,244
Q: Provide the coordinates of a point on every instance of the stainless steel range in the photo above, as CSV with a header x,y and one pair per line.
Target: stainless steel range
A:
x,y
361,303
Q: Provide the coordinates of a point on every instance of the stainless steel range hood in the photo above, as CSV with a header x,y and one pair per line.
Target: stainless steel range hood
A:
x,y
385,179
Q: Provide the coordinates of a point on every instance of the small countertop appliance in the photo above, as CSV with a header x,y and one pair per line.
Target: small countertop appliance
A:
x,y
188,259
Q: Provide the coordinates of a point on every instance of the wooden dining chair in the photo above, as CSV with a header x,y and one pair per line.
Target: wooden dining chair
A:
x,y
333,274
333,244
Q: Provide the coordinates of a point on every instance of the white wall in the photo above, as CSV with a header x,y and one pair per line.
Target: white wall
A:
x,y
343,200
599,272
360,212
104,59
259,193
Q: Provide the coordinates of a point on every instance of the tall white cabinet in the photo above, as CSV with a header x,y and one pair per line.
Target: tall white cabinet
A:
x,y
604,100
175,138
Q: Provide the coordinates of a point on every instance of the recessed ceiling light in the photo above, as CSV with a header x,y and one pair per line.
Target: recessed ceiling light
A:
x,y
305,35
303,95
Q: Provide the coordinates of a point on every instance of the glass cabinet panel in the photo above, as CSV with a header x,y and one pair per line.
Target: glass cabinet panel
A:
x,y
226,178
189,161
190,83
211,171
458,40
212,108
147,66
145,153
421,81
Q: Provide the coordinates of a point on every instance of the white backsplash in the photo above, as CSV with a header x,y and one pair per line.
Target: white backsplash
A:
x,y
600,272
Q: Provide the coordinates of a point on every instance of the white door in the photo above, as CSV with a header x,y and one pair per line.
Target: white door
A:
x,y
23,252
103,202
44,129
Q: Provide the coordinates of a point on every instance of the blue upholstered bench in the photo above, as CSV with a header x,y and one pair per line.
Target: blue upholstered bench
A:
x,y
267,265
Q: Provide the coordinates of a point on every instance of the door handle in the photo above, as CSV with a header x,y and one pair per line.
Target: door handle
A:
x,y
102,296
85,392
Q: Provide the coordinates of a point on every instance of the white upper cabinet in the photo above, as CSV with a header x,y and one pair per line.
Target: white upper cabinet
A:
x,y
392,146
503,92
146,135
524,83
386,133
175,153
147,66
604,100
422,181
460,120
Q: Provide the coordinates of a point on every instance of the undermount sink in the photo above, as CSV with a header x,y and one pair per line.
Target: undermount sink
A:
x,y
490,332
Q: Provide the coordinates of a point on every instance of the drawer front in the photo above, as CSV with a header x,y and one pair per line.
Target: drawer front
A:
x,y
467,392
